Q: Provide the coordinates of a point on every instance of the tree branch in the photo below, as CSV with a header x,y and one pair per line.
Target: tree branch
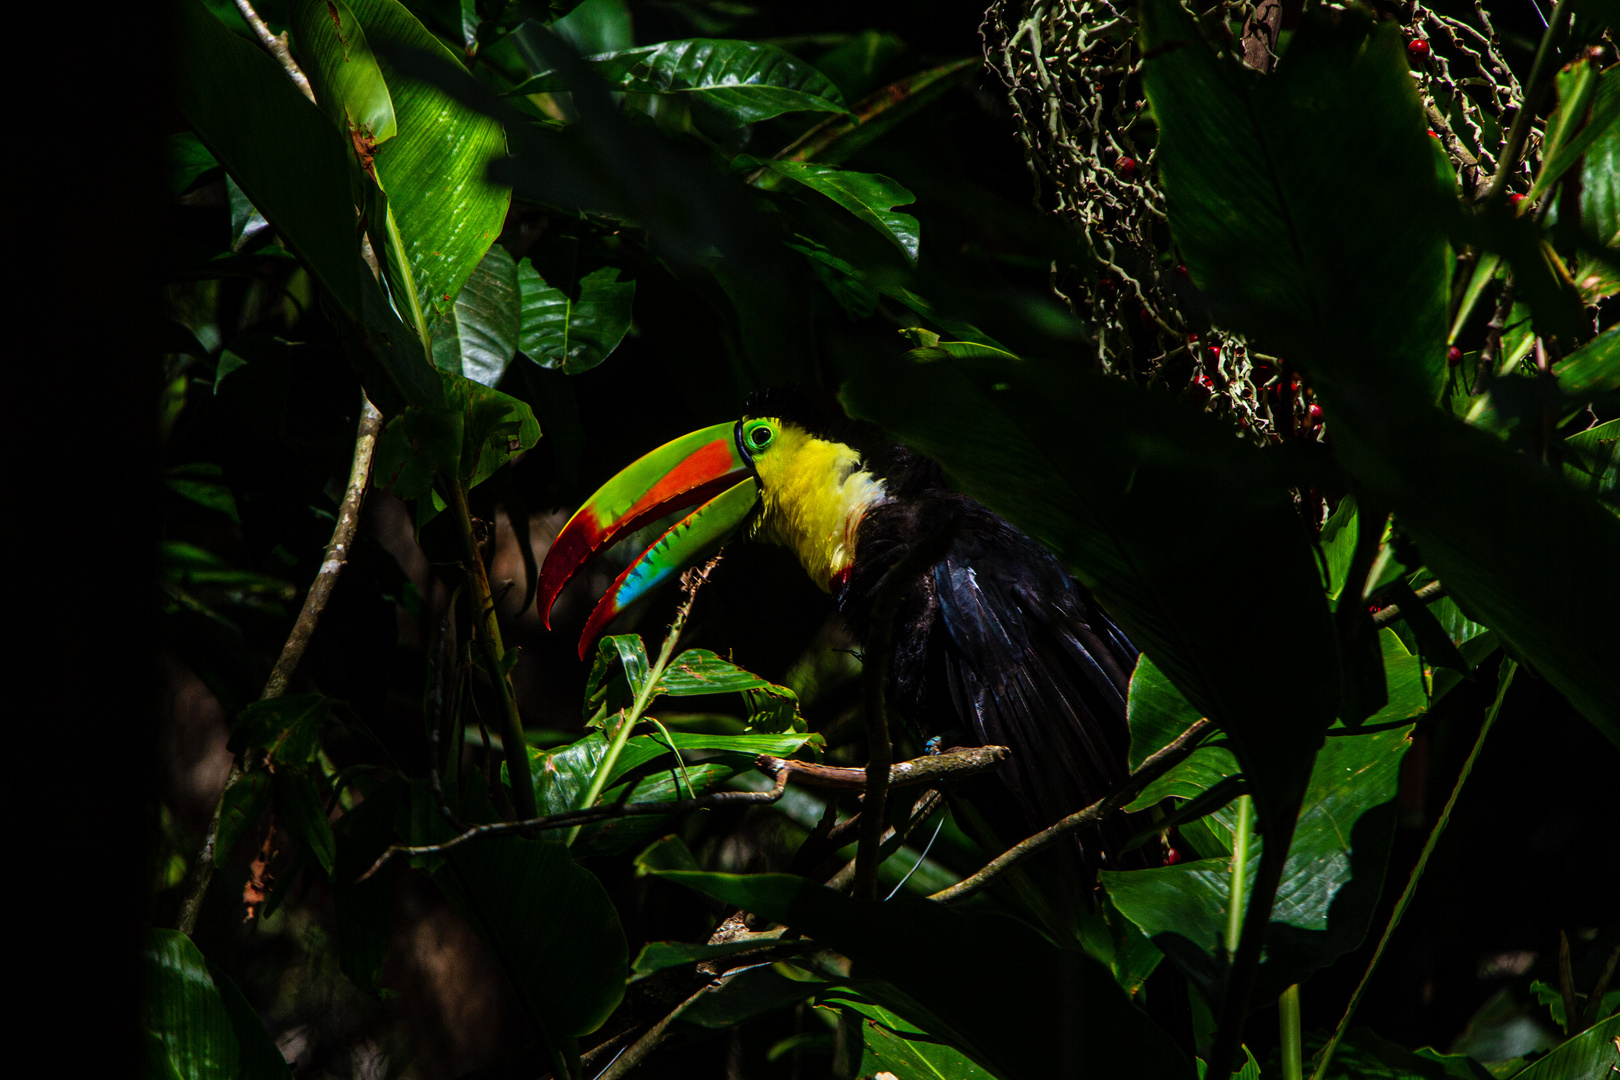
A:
x,y
1151,769
1428,594
952,764
277,46
1540,75
892,839
320,591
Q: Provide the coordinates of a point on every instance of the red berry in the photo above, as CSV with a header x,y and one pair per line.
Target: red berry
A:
x,y
1215,351
1418,50
1453,356
1126,166
1433,133
1147,318
1181,269
1171,856
1315,413
1515,199
1206,382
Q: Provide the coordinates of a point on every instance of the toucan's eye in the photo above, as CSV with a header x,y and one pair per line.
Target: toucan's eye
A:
x,y
760,437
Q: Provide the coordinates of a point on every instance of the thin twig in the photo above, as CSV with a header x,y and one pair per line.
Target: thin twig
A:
x,y
892,590
277,46
953,764
577,818
488,633
337,553
1150,770
1428,594
1540,76
1325,1058
892,839
1485,367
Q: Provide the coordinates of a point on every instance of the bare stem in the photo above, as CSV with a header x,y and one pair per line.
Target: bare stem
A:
x,y
489,639
277,46
954,764
1150,770
576,818
1428,594
320,591
1326,1057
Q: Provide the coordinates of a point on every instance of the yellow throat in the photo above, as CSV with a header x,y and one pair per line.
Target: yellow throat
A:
x,y
815,493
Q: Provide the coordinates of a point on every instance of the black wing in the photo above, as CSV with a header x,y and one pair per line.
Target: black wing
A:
x,y
1000,642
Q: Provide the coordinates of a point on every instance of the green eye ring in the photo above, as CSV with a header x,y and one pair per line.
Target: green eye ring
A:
x,y
758,436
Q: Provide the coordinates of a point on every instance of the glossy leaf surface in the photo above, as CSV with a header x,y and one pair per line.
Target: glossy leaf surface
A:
x,y
478,337
573,334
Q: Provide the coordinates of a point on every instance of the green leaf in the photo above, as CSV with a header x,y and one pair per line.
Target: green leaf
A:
x,y
748,81
185,1011
901,1049
569,334
476,432
550,921
869,196
239,809
304,814
190,163
1012,1000
658,956
202,483
348,84
433,171
699,671
1330,884
1591,370
289,727
260,1057
479,337
1574,129
1593,460
1592,1053
275,144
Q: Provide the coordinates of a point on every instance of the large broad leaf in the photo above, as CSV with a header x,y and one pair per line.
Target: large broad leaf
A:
x,y
1307,205
474,433
1330,884
259,1058
746,80
185,1011
348,84
568,334
479,337
1141,496
1013,1001
868,196
286,156
448,214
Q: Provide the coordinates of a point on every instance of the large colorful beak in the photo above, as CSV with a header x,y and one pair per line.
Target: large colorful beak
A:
x,y
706,469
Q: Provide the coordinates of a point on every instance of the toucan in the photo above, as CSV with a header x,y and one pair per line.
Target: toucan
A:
x,y
994,642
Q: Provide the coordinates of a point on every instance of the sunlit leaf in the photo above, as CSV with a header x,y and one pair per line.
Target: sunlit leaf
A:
x,y
479,337
869,196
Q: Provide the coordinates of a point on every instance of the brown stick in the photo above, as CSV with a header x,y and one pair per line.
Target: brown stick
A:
x,y
277,46
1150,770
935,768
1430,592
892,839
320,591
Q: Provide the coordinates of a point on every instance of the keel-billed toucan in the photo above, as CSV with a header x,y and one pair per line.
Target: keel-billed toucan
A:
x,y
994,643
